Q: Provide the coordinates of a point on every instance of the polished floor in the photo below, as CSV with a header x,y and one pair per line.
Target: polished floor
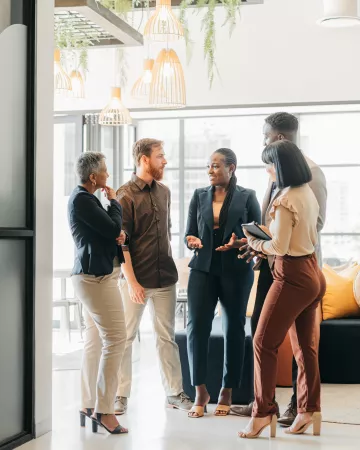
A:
x,y
152,427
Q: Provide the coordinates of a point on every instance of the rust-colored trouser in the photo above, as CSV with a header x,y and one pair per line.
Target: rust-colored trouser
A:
x,y
291,304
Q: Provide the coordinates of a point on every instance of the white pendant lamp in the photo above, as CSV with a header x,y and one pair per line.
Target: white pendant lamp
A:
x,y
115,114
340,13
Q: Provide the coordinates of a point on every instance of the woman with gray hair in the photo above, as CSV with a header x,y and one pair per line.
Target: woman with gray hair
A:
x,y
96,232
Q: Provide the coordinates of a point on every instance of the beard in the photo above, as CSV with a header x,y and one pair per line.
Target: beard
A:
x,y
157,174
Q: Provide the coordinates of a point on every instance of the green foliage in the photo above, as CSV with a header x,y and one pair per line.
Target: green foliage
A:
x,y
66,40
208,26
232,8
121,7
184,22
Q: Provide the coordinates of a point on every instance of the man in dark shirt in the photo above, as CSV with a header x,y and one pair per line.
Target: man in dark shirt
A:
x,y
149,274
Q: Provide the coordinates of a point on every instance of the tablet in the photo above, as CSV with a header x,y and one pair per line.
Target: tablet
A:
x,y
254,229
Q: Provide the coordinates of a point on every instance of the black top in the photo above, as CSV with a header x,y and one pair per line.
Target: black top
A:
x,y
243,208
94,231
146,211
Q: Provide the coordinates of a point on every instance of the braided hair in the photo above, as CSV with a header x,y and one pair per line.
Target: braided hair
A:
x,y
230,158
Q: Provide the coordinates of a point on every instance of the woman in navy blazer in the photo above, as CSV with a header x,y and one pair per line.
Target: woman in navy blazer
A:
x,y
95,276
215,214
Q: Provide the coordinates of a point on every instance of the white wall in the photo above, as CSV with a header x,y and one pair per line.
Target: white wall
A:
x,y
277,54
44,216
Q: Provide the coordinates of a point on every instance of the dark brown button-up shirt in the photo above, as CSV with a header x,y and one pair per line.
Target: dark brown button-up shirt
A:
x,y
146,220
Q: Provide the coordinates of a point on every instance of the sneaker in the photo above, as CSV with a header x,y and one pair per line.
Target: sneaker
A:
x,y
120,405
289,415
181,402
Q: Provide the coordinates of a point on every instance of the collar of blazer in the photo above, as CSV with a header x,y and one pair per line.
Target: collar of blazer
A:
x,y
236,208
268,201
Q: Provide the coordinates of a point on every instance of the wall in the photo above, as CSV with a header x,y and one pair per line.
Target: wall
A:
x,y
44,216
5,14
277,54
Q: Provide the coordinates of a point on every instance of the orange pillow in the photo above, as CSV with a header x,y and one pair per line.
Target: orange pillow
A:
x,y
339,298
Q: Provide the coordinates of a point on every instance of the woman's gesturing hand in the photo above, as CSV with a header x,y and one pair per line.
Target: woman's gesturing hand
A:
x,y
194,242
234,242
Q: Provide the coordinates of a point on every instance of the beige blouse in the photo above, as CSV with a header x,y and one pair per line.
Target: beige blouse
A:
x,y
294,217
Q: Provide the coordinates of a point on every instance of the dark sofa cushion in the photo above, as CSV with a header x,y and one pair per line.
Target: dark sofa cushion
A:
x,y
339,353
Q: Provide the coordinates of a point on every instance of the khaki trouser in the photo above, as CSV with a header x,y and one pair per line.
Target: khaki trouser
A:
x,y
290,304
162,303
105,339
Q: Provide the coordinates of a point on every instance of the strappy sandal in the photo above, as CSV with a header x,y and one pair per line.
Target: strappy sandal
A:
x,y
96,422
222,410
271,424
84,415
315,421
197,411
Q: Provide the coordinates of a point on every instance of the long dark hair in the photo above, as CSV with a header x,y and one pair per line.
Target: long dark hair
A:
x,y
229,159
290,164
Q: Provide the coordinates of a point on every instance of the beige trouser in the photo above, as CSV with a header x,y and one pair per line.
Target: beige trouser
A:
x,y
162,303
105,339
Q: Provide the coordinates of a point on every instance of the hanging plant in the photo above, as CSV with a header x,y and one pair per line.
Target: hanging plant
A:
x,y
121,7
208,26
67,41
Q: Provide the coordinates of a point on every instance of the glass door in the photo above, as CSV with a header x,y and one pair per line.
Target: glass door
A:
x,y
17,237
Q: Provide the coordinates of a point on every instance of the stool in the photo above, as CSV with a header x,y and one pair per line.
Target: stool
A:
x,y
242,395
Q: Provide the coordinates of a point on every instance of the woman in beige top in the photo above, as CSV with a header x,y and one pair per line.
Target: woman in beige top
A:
x,y
294,296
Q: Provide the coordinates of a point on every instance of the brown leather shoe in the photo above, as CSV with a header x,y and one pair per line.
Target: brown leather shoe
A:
x,y
246,411
287,419
243,411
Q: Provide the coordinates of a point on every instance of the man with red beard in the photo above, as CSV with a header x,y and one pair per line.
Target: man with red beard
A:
x,y
149,273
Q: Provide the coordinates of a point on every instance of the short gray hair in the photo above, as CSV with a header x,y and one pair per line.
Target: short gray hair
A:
x,y
88,163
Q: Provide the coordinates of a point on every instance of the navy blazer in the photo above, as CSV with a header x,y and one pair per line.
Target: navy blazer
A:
x,y
94,231
244,208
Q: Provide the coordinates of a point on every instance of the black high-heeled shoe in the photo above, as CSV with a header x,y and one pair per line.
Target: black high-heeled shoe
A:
x,y
96,422
84,415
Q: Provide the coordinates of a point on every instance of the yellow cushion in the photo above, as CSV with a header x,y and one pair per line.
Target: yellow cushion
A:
x,y
339,299
251,302
357,289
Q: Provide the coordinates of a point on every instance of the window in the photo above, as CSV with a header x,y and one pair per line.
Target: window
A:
x,y
67,148
331,141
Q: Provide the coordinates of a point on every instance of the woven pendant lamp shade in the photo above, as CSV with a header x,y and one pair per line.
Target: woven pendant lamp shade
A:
x,y
141,88
163,25
115,113
62,82
167,90
77,83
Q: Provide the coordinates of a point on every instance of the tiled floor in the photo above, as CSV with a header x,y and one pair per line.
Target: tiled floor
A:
x,y
152,427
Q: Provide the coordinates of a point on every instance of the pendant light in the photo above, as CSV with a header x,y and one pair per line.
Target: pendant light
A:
x,y
141,88
340,13
62,82
163,25
77,84
167,90
115,113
